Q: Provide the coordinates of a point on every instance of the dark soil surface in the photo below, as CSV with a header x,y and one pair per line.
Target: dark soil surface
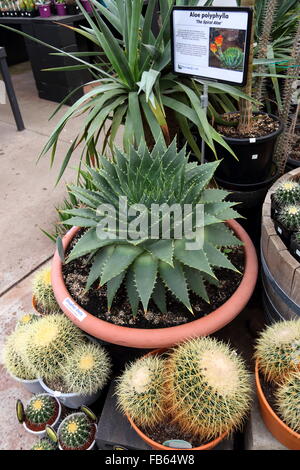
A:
x,y
57,385
95,302
295,146
262,125
166,430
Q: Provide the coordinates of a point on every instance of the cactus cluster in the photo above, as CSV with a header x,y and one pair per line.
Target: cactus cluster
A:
x,y
43,292
14,355
232,58
208,388
140,391
289,217
50,341
278,350
76,432
287,193
41,410
86,369
44,444
288,401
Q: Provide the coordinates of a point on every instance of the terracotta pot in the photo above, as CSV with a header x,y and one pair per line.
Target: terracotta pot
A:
x,y
156,445
160,337
275,425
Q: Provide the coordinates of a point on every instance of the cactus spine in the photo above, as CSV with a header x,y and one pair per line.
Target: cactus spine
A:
x,y
289,216
51,340
288,401
140,391
287,193
43,292
76,432
14,355
44,444
278,350
207,388
41,410
86,370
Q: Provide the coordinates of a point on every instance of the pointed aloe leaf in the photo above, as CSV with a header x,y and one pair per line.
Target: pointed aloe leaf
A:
x,y
192,258
98,265
112,288
87,243
80,222
220,235
132,293
162,249
80,212
213,195
159,296
196,283
228,214
217,258
211,280
60,248
174,279
145,270
122,257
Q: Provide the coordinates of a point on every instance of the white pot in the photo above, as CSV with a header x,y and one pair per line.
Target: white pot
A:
x,y
32,386
43,433
89,448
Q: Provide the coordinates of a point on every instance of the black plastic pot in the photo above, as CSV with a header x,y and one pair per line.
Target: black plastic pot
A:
x,y
283,232
295,249
73,9
275,208
254,157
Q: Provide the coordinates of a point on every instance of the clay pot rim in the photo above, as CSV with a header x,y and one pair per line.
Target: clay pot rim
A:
x,y
168,336
270,410
156,445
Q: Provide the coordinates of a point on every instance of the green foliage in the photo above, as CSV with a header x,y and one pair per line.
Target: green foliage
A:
x,y
150,265
14,354
287,193
41,409
289,216
43,292
76,432
278,350
86,369
44,444
232,58
140,391
207,388
288,401
51,340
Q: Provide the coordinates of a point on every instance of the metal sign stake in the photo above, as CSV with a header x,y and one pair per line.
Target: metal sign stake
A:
x,y
204,105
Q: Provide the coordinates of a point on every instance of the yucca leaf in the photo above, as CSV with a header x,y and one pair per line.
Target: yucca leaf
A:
x,y
174,279
145,270
217,258
196,283
193,258
159,296
98,264
112,288
122,257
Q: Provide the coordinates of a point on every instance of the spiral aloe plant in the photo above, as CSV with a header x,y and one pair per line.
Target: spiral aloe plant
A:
x,y
153,263
232,58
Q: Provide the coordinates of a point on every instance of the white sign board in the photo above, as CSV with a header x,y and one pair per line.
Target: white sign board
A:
x,y
212,43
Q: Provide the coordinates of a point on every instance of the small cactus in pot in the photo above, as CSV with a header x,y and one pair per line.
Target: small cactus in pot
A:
x,y
51,340
43,295
41,410
208,390
289,217
86,369
44,444
140,391
287,193
278,350
288,401
76,432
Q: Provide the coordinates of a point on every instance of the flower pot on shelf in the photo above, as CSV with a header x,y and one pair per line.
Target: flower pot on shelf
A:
x,y
160,337
61,9
73,9
275,425
33,386
31,427
45,10
254,157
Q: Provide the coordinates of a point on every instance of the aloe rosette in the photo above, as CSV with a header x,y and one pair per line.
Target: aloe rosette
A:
x,y
232,58
150,266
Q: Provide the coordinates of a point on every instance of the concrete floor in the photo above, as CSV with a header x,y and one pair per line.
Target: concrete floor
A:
x,y
28,198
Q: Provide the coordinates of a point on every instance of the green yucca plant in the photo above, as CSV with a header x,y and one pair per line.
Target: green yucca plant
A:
x,y
150,265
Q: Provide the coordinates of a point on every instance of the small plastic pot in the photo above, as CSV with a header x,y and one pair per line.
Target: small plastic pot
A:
x,y
61,9
71,400
91,447
283,232
45,10
54,424
73,10
254,155
33,386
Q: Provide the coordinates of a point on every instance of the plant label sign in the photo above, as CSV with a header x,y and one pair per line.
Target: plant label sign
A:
x,y
212,43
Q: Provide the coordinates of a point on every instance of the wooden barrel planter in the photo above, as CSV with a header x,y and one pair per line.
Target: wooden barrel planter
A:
x,y
280,270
